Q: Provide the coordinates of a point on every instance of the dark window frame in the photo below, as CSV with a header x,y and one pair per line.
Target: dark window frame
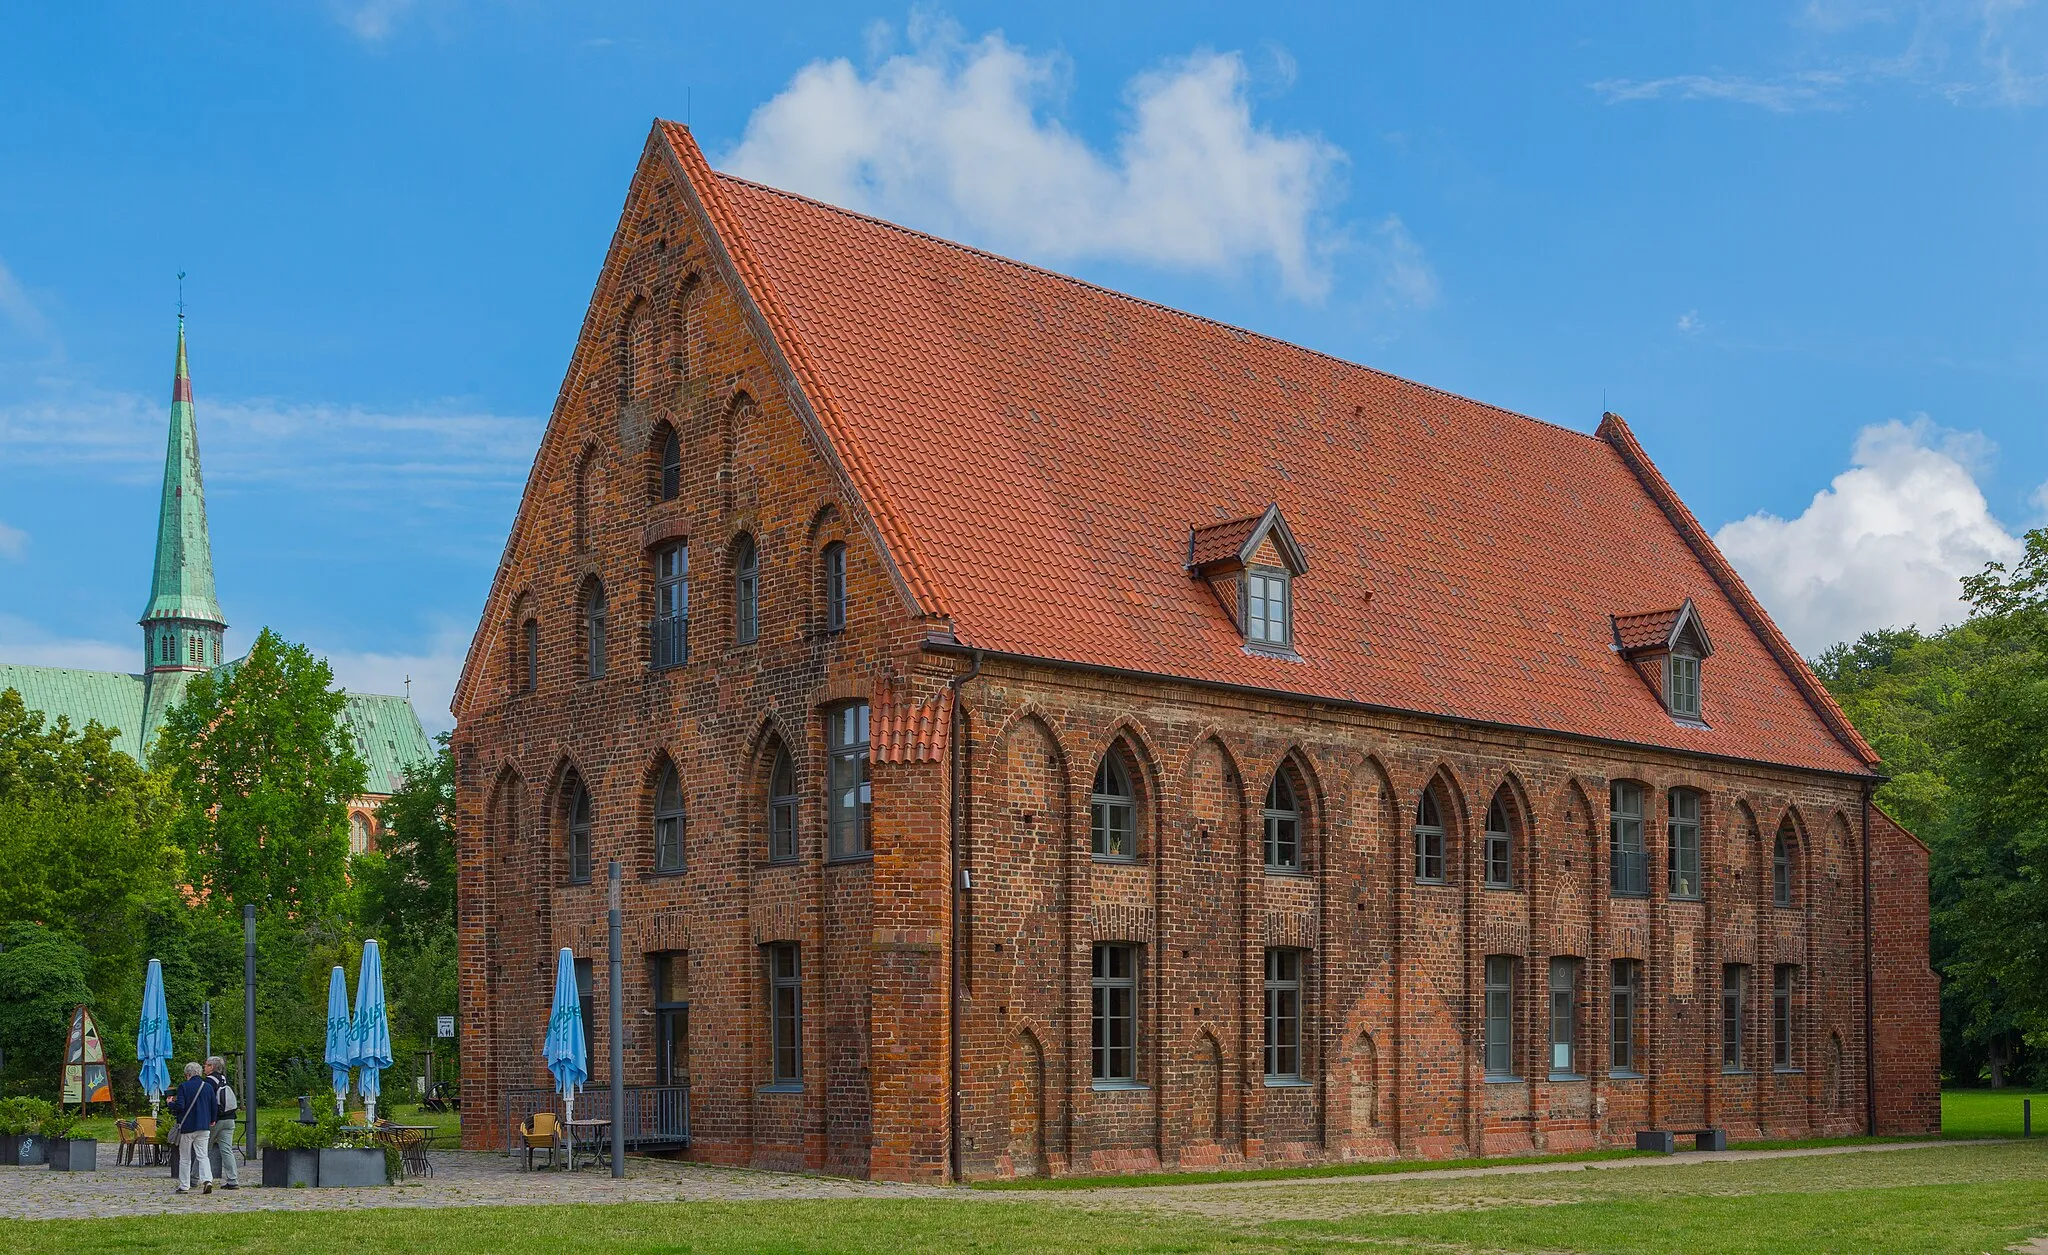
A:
x,y
1784,865
670,626
1500,841
671,1016
1113,811
1282,823
833,560
1500,972
582,820
1564,1015
785,1014
784,797
1269,595
1114,1017
671,826
1286,977
532,644
1784,991
1734,1014
1682,836
1628,865
671,472
1625,990
1431,840
746,582
849,799
596,616
1682,684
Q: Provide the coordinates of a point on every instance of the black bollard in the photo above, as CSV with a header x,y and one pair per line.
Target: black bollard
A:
x,y
2026,1117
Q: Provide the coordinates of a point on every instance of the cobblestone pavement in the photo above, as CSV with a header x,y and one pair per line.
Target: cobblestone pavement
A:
x,y
461,1179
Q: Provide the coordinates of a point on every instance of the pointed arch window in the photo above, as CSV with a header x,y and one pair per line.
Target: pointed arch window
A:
x,y
851,801
593,630
1283,825
1113,811
668,821
1429,839
671,465
1782,865
746,579
782,803
671,626
532,661
835,587
579,833
1500,841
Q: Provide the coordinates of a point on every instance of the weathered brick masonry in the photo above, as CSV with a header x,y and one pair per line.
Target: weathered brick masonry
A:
x,y
997,894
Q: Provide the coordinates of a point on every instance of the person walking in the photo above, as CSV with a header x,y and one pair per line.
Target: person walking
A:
x,y
193,1106
225,1106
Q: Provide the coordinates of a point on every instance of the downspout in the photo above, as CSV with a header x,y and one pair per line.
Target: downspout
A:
x,y
1869,986
959,815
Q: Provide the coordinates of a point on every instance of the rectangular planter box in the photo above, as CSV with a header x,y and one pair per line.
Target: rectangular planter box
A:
x,y
352,1167
285,1168
21,1150
74,1154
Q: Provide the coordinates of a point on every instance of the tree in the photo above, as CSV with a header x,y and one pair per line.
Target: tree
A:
x,y
262,770
42,977
408,883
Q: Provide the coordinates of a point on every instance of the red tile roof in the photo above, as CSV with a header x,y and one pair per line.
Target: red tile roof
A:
x,y
1221,542
1645,631
1034,449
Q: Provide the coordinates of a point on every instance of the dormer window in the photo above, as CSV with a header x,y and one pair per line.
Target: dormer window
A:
x,y
1666,647
1250,565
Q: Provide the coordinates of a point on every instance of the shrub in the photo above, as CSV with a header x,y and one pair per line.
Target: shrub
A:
x,y
22,1115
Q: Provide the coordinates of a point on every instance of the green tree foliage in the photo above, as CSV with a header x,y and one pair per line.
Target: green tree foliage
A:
x,y
1960,718
42,977
405,896
262,769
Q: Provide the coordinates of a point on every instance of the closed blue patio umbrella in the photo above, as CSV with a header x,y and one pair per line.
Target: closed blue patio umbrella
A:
x,y
370,1031
564,1050
340,1050
153,1037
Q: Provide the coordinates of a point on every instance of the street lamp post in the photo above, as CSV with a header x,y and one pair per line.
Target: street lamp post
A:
x,y
248,1094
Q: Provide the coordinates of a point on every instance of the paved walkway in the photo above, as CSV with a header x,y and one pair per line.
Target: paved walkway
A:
x,y
461,1179
485,1179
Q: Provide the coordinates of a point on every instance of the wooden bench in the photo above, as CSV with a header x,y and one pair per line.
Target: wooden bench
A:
x,y
1665,1141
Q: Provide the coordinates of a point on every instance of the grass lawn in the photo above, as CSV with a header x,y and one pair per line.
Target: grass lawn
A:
x,y
1990,1112
1961,1198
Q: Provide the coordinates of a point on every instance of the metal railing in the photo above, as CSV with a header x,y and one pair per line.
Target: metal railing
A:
x,y
657,1116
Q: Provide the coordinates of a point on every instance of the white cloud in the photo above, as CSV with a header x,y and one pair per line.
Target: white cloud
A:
x,y
13,541
433,675
955,136
1884,545
371,21
24,643
1815,89
1689,322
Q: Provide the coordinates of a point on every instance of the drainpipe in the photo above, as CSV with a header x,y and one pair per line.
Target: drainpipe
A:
x,y
959,817
1869,986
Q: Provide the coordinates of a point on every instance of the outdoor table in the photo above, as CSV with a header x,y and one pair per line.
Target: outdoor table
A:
x,y
413,1141
598,1131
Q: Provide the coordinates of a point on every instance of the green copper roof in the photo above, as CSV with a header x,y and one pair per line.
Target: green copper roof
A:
x,y
388,738
113,699
181,586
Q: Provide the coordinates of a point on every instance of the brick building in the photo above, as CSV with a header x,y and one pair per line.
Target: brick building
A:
x,y
1047,732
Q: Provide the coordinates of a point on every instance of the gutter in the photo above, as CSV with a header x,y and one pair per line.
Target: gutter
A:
x,y
959,821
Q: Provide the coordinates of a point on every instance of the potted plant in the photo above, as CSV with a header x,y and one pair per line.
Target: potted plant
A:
x,y
21,1141
65,1152
325,1154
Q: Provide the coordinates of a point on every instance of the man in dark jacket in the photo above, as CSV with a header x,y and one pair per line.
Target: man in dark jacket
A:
x,y
193,1105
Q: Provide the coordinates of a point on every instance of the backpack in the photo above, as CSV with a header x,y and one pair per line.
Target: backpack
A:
x,y
224,1098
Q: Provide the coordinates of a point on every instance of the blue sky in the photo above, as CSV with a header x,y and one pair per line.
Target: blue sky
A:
x,y
1800,246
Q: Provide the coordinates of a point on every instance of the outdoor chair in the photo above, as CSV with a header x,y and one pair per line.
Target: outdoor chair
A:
x,y
124,1132
541,1131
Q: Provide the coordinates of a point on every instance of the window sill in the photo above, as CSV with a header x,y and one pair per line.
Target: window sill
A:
x,y
1503,1080
1299,873
844,860
1493,888
784,861
1420,880
1564,1076
1788,1071
1629,893
1115,860
1688,897
1279,653
1119,1087
1728,1071
666,873
1289,1082
782,1087
1624,1074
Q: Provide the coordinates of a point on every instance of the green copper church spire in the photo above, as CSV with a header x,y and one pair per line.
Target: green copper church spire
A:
x,y
182,627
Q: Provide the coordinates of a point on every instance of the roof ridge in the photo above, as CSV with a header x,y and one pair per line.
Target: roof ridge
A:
x,y
1147,303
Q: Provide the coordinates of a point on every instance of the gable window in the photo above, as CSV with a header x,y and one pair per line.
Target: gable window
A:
x,y
1564,1011
782,802
851,799
1782,866
1429,839
593,630
1113,811
532,654
1283,1015
579,834
1628,871
785,1015
668,822
1269,607
1283,825
746,599
1783,977
671,626
1682,684
1113,1030
1627,978
835,587
671,466
1683,844
1500,843
1734,995
1500,1016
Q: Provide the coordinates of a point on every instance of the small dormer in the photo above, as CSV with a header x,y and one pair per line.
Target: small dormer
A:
x,y
1666,647
1251,565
